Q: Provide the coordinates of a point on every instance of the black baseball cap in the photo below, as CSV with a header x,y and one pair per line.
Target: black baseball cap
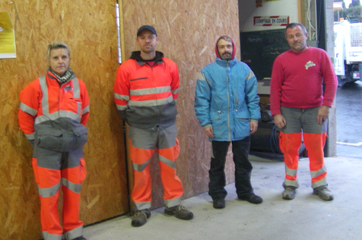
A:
x,y
146,27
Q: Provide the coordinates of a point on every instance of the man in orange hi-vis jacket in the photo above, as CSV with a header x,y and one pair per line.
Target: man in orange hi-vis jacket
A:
x,y
145,91
54,110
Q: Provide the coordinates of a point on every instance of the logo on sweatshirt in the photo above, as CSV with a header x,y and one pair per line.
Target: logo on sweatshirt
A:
x,y
309,64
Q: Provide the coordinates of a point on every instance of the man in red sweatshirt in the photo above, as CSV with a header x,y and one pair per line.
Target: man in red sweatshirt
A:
x,y
300,104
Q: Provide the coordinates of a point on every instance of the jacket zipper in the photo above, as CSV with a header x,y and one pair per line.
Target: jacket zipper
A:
x,y
154,84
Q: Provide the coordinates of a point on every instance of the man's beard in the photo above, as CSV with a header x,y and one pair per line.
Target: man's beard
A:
x,y
226,56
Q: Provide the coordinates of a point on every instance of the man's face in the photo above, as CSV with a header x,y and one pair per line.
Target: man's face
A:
x,y
296,38
59,60
147,41
225,49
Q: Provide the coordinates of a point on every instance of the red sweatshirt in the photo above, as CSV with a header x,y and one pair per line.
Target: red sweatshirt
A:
x,y
297,79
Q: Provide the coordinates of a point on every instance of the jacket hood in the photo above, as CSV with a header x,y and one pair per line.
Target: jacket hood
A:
x,y
136,55
217,52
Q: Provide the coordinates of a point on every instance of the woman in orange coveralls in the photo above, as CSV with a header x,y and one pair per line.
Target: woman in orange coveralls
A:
x,y
54,110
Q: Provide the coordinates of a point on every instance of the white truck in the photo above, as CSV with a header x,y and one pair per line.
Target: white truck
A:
x,y
347,51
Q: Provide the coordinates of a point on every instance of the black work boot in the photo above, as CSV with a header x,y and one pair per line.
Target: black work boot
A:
x,y
251,197
80,238
219,203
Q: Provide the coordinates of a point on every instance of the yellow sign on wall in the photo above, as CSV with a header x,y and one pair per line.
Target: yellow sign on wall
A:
x,y
7,37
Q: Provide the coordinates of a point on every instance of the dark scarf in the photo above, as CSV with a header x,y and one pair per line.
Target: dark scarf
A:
x,y
66,77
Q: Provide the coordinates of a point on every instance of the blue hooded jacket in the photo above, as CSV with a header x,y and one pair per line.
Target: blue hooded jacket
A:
x,y
226,98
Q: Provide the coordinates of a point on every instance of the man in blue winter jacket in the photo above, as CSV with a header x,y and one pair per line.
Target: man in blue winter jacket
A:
x,y
227,107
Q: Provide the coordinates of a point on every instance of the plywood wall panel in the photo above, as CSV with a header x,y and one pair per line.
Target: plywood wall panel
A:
x,y
89,28
187,33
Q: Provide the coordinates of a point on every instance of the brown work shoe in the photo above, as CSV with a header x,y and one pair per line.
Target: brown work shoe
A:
x,y
323,193
140,217
180,212
289,193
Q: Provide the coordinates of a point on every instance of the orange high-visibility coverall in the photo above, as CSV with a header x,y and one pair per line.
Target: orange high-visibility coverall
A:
x,y
53,117
145,95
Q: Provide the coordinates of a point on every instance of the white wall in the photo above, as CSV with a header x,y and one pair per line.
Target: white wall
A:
x,y
248,10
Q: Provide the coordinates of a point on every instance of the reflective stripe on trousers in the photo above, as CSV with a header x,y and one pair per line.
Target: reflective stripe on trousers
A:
x,y
314,143
289,145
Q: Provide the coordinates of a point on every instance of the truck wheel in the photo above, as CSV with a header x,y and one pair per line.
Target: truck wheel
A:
x,y
341,81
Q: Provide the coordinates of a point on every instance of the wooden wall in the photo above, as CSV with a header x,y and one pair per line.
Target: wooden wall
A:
x,y
187,30
89,28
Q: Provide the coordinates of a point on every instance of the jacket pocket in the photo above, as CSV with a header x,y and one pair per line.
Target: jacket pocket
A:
x,y
241,128
219,125
80,136
219,128
50,139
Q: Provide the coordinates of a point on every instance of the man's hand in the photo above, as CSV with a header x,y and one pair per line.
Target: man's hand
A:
x,y
209,132
323,113
279,120
253,127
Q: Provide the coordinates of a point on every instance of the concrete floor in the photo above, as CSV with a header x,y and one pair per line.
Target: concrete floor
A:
x,y
305,218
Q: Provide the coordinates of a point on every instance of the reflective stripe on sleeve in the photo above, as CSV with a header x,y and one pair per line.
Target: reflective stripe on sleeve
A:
x,y
175,91
85,110
27,109
121,107
121,97
30,136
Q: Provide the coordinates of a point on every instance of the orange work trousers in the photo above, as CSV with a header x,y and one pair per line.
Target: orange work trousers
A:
x,y
143,144
290,143
314,136
51,170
